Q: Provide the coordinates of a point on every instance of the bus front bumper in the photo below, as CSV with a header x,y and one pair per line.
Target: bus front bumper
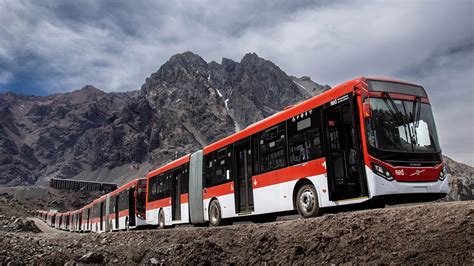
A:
x,y
379,186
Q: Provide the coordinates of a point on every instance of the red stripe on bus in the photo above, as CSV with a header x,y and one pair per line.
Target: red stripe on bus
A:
x,y
184,198
220,190
295,172
307,169
123,213
159,203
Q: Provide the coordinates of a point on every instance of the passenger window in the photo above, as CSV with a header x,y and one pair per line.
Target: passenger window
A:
x,y
272,148
185,179
208,170
223,166
304,137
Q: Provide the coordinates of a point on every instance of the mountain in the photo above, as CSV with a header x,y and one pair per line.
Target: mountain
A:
x,y
113,137
92,135
64,134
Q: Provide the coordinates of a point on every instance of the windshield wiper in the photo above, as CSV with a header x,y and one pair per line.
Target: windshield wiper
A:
x,y
418,111
416,118
392,108
400,117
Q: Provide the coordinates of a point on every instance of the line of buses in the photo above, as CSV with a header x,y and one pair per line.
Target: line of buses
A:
x,y
367,140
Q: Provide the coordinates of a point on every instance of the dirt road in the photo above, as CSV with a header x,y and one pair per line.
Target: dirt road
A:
x,y
429,233
45,228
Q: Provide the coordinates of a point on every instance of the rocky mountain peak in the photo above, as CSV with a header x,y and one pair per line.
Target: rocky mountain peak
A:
x,y
187,60
250,58
90,89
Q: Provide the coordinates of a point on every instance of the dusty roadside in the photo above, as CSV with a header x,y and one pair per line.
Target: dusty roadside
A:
x,y
429,233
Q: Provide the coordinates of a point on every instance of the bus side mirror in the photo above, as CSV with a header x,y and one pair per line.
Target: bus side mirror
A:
x,y
366,110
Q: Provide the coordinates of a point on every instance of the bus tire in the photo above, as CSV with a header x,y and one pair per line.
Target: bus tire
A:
x,y
161,219
215,214
307,201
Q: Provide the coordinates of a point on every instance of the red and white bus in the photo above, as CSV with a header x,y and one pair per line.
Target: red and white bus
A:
x,y
167,194
369,139
98,214
126,206
86,225
75,221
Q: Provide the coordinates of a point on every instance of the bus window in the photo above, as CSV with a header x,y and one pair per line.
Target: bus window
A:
x,y
304,138
223,166
185,177
153,189
208,169
272,148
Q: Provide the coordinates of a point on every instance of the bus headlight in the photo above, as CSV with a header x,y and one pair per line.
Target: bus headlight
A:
x,y
382,172
443,173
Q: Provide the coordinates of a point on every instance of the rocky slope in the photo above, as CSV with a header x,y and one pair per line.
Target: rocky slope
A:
x,y
93,135
434,233
64,134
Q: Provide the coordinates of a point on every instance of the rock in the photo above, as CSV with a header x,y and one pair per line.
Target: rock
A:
x,y
154,261
92,257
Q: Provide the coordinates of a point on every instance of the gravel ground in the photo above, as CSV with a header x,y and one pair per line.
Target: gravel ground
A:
x,y
429,233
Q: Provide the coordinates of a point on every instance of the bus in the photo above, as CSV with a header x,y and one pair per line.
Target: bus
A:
x,y
98,215
126,206
86,225
366,140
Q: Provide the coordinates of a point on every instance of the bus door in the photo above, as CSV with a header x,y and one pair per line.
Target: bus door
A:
x,y
117,211
89,220
102,213
345,171
131,206
176,195
243,178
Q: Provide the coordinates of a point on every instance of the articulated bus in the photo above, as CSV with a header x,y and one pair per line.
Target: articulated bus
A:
x,y
121,209
369,139
126,206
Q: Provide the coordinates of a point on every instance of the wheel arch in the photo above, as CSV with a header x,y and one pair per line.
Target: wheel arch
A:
x,y
301,182
210,202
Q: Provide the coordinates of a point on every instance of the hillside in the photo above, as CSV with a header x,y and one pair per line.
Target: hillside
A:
x,y
186,104
434,233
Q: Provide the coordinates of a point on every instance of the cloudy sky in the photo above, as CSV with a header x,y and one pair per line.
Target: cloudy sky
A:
x,y
55,46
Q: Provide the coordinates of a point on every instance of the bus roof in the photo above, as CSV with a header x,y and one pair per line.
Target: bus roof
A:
x,y
169,166
389,80
122,188
285,114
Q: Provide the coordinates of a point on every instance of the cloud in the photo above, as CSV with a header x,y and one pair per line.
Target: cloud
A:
x,y
53,46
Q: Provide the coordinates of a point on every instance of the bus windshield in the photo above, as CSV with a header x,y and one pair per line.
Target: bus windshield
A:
x,y
400,125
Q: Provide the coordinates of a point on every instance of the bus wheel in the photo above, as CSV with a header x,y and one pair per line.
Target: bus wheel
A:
x,y
161,219
307,201
215,216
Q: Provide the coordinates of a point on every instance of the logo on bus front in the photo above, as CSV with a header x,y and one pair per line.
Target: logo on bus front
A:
x,y
399,172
